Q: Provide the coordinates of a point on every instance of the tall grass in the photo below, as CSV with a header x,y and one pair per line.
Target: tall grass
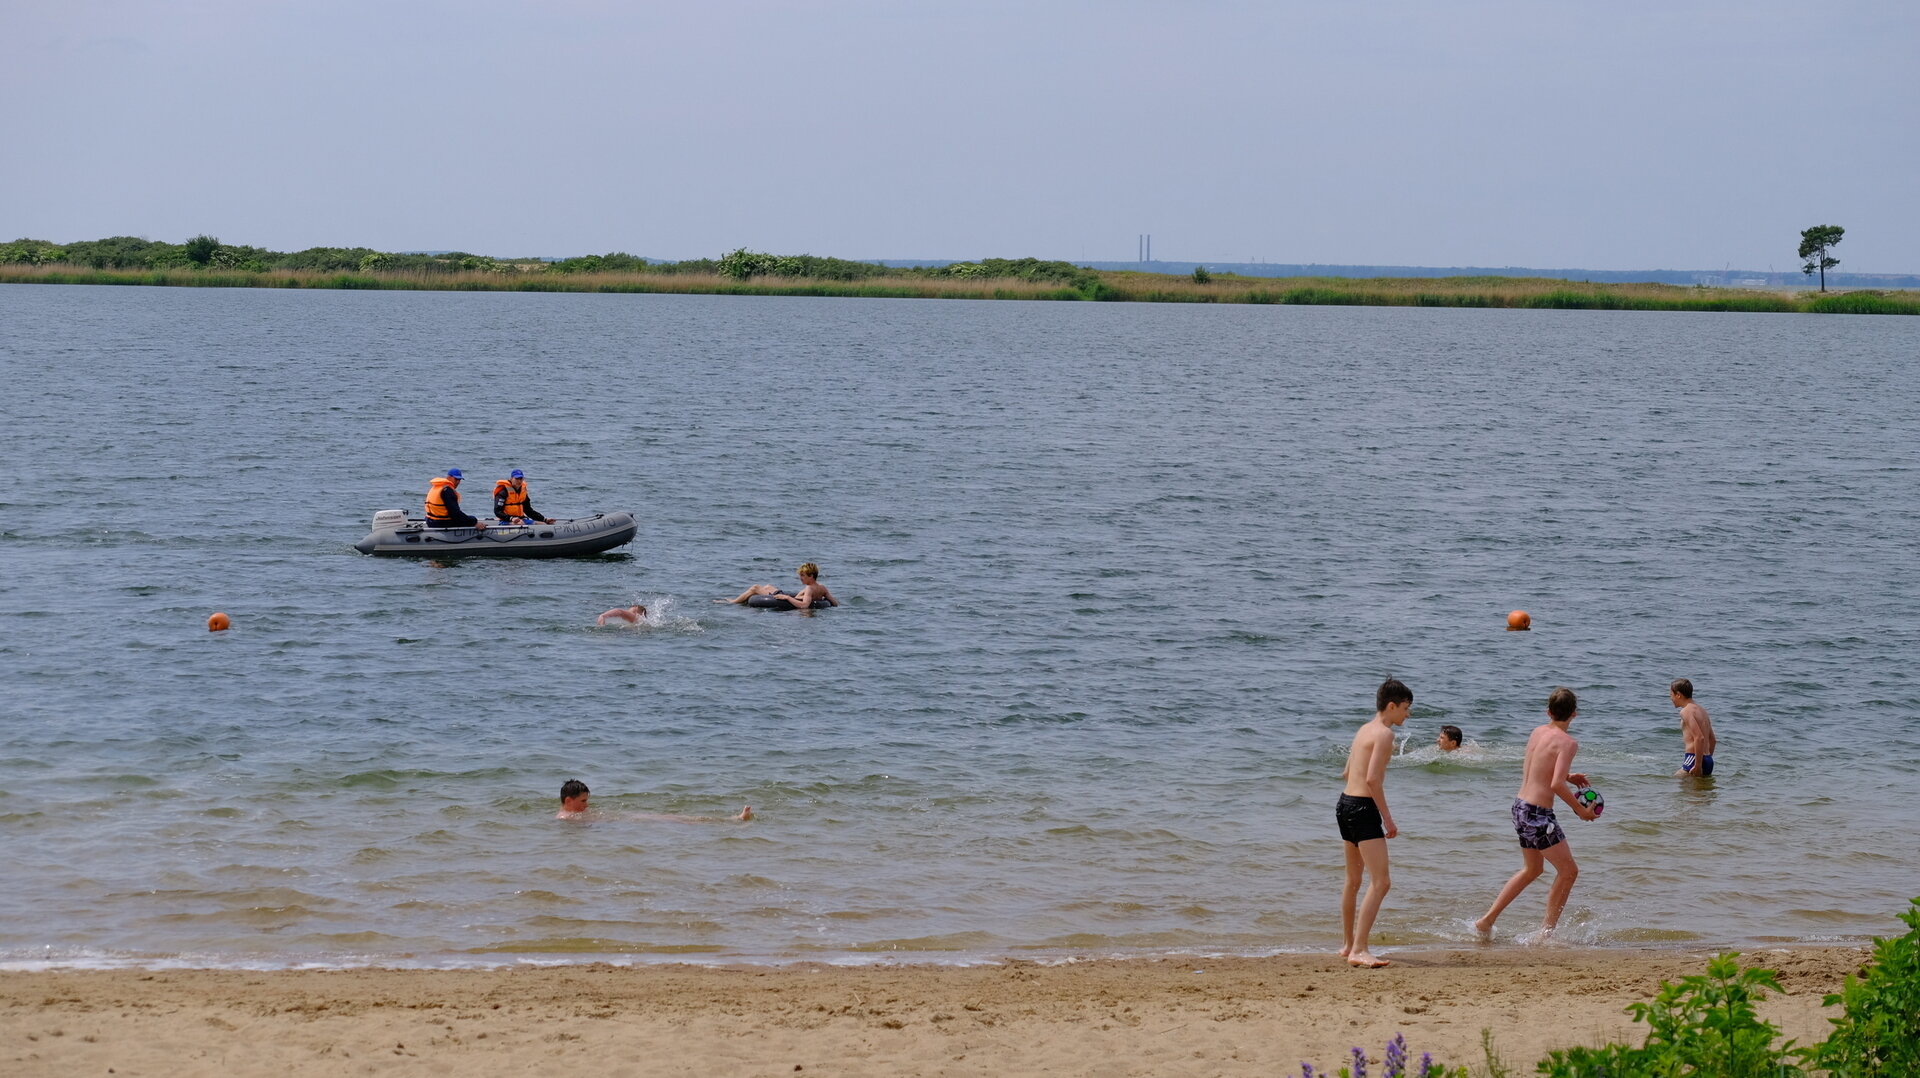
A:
x,y
1126,287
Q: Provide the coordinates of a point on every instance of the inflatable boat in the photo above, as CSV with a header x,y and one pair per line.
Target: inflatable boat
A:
x,y
394,535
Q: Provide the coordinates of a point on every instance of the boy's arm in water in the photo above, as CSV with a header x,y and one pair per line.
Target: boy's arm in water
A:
x,y
743,816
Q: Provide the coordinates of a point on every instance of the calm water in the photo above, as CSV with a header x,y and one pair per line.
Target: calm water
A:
x,y
1118,581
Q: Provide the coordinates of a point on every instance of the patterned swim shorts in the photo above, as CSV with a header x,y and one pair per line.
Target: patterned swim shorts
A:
x,y
1536,826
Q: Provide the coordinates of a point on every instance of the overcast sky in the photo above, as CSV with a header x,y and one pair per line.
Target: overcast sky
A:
x,y
1611,134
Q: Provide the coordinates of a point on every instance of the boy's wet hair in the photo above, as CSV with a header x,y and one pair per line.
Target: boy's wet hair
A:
x,y
1683,687
573,788
1562,704
1454,735
809,569
1391,691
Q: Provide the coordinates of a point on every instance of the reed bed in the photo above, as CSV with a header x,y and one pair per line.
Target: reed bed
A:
x,y
1509,292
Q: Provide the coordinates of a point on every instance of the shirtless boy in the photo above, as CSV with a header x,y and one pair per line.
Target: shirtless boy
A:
x,y
631,615
811,590
573,806
1365,821
1696,731
1449,739
1545,774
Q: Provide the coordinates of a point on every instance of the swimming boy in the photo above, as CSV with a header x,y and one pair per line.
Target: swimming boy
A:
x,y
1365,821
632,615
1449,739
811,590
573,806
1696,731
1544,775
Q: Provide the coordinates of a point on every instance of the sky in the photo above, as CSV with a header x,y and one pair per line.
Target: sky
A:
x,y
1610,134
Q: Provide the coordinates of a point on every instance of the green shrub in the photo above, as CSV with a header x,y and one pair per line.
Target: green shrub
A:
x,y
1878,1033
1201,276
200,249
1701,1025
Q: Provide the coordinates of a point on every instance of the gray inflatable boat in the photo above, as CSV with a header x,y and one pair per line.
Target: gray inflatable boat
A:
x,y
394,535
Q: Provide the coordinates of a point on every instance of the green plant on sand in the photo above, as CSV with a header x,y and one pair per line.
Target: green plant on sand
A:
x,y
1705,1024
1879,1033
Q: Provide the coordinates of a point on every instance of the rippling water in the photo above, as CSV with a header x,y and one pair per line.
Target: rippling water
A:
x,y
1118,584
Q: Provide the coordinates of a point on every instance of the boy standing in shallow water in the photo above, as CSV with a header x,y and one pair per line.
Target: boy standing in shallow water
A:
x,y
1365,822
1696,731
1545,774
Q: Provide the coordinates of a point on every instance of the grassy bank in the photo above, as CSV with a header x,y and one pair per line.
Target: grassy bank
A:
x,y
1512,292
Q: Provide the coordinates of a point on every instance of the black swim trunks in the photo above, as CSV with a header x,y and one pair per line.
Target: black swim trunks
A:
x,y
1537,828
1359,819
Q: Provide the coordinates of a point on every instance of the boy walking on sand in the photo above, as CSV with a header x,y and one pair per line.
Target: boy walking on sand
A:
x,y
1696,731
1365,822
1545,773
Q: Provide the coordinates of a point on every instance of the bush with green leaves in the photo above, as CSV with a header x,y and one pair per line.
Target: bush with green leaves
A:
x,y
200,249
1201,276
1707,1024
1879,1032
32,252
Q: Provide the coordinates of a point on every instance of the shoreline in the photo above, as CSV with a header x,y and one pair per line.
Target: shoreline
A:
x,y
1526,293
477,961
1150,1016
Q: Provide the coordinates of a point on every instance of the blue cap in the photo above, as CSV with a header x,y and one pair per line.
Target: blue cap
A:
x,y
516,474
454,473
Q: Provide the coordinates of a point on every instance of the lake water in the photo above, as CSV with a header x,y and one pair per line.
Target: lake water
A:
x,y
1118,584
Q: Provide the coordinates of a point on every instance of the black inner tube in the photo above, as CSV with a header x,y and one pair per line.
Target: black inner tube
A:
x,y
775,602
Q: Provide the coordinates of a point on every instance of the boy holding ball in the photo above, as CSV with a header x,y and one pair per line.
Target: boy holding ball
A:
x,y
1545,773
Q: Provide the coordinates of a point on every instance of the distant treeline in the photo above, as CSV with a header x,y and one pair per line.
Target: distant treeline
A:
x,y
207,252
205,262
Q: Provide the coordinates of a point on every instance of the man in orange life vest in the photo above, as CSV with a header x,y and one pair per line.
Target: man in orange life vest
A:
x,y
443,503
512,504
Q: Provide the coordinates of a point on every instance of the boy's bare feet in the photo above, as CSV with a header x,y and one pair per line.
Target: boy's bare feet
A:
x,y
746,813
1364,960
1483,928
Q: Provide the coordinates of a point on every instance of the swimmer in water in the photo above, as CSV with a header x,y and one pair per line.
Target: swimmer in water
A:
x,y
573,806
1696,731
1450,739
811,590
632,615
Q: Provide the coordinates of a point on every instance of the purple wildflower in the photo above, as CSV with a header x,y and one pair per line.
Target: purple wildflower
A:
x,y
1426,1065
1359,1064
1397,1056
1306,1069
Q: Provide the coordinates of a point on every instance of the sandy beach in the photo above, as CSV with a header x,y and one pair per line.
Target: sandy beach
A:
x,y
1196,1016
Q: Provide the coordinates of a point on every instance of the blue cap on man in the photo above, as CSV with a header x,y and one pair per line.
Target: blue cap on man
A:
x,y
454,473
516,474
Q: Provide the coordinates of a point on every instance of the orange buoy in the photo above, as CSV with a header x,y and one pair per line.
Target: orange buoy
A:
x,y
1519,621
218,622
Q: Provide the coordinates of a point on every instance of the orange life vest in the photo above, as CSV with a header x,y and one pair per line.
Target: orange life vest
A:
x,y
437,508
515,504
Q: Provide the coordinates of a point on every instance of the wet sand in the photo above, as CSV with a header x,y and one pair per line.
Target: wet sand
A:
x,y
1139,1017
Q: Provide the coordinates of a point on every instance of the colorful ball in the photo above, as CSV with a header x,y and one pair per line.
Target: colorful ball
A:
x,y
1519,621
1590,799
219,623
